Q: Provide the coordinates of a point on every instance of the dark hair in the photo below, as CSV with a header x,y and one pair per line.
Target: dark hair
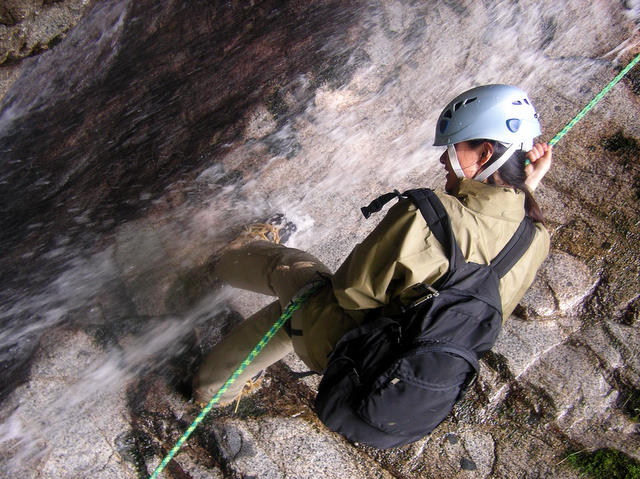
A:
x,y
512,173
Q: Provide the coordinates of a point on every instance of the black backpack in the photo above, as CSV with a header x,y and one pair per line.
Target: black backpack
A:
x,y
392,380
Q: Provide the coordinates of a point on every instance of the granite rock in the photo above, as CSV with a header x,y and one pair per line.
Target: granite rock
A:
x,y
562,285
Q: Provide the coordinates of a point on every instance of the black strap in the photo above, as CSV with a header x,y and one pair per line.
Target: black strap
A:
x,y
439,222
515,248
434,214
377,204
303,374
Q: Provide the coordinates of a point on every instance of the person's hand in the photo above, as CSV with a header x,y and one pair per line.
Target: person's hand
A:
x,y
540,162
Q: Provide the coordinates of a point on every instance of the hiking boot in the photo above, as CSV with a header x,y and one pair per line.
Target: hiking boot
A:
x,y
249,388
275,229
285,228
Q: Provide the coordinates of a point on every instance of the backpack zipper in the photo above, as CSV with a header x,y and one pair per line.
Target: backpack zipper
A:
x,y
423,288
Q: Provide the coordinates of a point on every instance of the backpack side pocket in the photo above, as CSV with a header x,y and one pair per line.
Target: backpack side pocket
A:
x,y
417,394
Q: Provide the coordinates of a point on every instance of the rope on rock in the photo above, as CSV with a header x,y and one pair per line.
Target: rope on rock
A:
x,y
298,301
293,306
595,100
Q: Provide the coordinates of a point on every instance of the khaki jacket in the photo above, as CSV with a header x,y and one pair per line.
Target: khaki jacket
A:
x,y
401,251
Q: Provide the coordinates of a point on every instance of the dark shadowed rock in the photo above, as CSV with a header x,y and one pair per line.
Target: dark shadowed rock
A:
x,y
142,95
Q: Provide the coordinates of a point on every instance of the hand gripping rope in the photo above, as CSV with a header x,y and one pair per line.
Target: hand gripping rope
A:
x,y
300,299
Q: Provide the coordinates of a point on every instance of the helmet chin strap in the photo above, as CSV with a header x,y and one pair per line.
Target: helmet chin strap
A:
x,y
453,161
493,167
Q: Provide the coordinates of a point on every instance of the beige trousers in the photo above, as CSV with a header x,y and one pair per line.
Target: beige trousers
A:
x,y
265,268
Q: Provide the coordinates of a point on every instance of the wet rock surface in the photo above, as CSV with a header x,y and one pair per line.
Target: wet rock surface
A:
x,y
141,141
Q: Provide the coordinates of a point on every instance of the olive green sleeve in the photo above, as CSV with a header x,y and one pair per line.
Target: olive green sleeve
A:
x,y
398,253
516,282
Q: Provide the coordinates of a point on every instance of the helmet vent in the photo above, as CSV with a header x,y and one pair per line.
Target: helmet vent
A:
x,y
457,105
513,124
447,114
470,100
517,102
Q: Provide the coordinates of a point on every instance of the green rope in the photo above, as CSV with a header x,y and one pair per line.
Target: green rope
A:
x,y
595,100
284,317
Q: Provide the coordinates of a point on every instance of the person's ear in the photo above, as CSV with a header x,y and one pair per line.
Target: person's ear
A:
x,y
486,153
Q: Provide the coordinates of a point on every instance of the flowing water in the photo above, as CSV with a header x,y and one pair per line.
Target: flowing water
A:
x,y
333,150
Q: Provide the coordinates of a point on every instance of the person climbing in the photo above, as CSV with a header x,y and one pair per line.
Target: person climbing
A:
x,y
492,168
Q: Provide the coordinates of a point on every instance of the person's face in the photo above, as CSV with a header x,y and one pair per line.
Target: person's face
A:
x,y
470,158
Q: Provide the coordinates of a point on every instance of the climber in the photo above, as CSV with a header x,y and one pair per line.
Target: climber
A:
x,y
492,168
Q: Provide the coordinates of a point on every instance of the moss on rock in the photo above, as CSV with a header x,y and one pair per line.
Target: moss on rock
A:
x,y
605,464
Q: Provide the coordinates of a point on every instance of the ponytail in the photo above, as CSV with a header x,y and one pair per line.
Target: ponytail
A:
x,y
512,173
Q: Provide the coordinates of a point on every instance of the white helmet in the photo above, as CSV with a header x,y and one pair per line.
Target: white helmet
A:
x,y
501,113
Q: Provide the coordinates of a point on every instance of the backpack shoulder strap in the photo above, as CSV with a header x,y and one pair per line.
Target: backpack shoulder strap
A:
x,y
515,248
438,220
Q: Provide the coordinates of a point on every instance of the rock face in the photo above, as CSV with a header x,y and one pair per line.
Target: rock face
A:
x,y
29,27
564,282
136,146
